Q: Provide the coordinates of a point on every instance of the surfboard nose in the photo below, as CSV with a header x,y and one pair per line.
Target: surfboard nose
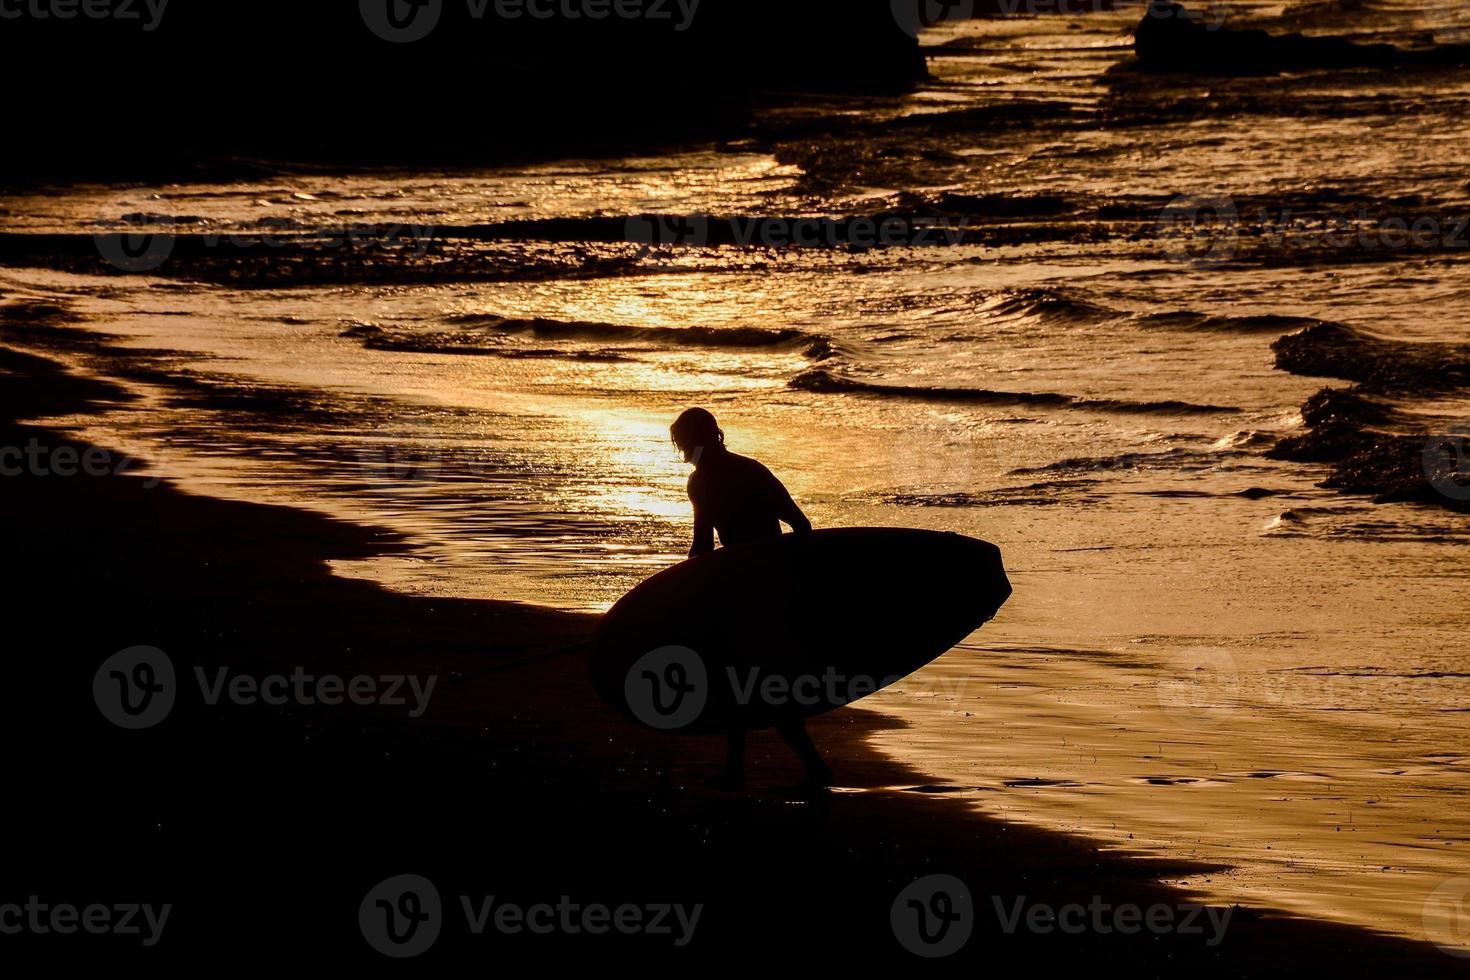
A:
x,y
984,571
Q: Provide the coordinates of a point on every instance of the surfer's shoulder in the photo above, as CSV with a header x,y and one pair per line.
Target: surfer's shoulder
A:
x,y
698,481
748,465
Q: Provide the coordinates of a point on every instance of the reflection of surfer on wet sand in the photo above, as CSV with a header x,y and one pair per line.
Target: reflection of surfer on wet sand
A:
x,y
743,501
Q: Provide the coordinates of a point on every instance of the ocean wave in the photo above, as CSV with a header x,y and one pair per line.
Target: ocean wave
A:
x,y
825,382
366,255
1374,447
815,346
1190,320
1247,439
1179,459
374,338
1044,304
1350,523
1338,422
1334,350
1377,450
928,226
1044,494
488,334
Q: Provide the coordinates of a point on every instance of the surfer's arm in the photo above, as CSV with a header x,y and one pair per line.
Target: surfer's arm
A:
x,y
704,537
704,528
792,515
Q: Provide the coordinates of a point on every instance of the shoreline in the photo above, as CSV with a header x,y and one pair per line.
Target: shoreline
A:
x,y
298,797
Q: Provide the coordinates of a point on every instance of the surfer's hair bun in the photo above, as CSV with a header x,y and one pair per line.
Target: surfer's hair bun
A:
x,y
696,427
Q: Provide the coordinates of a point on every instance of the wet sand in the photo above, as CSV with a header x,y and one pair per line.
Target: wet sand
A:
x,y
266,826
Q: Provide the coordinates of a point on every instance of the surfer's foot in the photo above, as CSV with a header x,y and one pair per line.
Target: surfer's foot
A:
x,y
726,782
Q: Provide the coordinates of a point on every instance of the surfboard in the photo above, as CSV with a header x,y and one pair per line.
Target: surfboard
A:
x,y
790,627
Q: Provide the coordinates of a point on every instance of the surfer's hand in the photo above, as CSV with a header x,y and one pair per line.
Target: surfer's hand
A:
x,y
792,515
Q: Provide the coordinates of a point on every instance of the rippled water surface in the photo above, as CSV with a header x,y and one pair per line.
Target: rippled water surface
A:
x,y
1206,653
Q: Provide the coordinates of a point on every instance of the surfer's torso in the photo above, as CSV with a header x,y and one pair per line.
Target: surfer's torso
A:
x,y
738,496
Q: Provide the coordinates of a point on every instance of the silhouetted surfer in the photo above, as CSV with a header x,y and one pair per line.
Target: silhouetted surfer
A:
x,y
741,500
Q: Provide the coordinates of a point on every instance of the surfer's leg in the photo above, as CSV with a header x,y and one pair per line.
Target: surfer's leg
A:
x,y
735,756
795,733
734,775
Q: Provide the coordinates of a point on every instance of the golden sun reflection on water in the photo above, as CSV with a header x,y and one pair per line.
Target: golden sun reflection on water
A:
x,y
649,472
642,502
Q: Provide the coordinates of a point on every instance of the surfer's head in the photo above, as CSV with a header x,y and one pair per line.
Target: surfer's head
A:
x,y
696,432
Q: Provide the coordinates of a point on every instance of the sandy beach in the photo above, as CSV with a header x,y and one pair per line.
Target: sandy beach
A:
x,y
263,827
